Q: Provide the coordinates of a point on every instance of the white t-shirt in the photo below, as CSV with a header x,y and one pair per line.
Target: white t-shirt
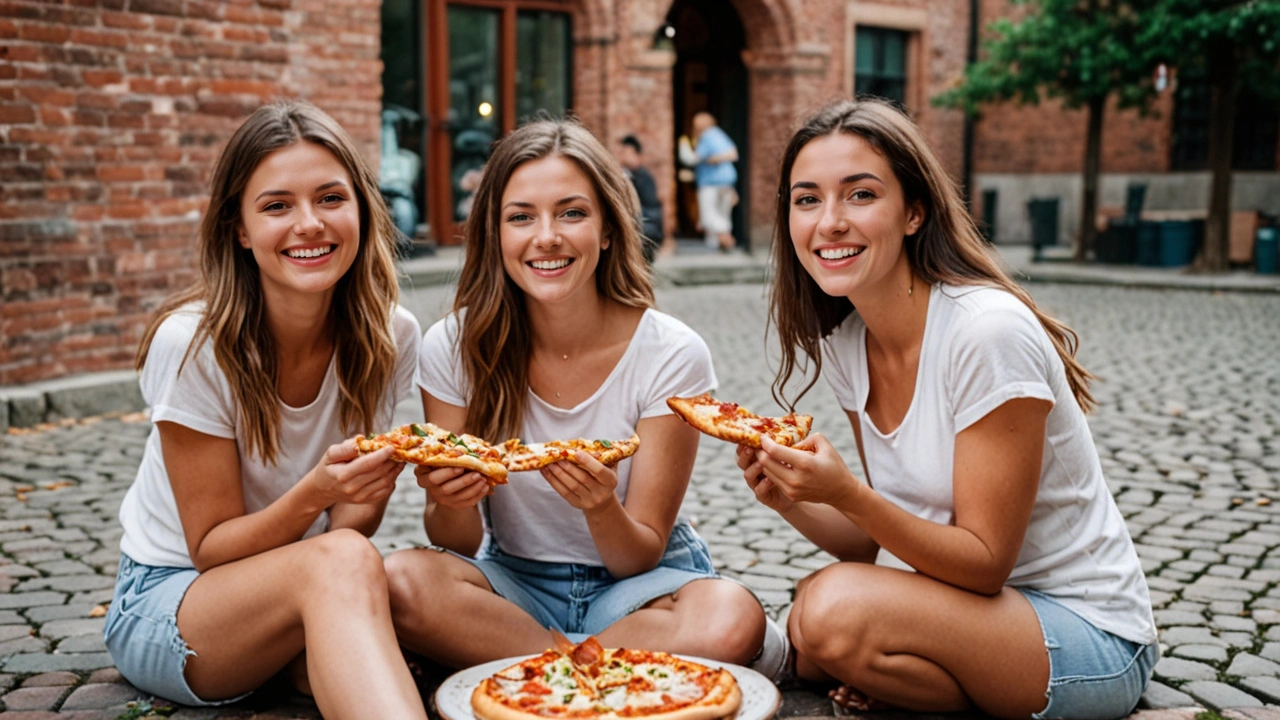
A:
x,y
200,398
983,347
527,517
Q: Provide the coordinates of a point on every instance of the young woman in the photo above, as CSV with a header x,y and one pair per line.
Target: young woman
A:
x,y
245,531
967,405
554,336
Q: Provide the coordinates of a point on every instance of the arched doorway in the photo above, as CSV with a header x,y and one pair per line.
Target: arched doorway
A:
x,y
709,75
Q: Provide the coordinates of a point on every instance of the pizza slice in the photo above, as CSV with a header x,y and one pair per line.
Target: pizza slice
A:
x,y
520,457
428,444
729,421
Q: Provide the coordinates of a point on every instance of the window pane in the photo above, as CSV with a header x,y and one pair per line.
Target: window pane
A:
x,y
400,167
895,53
542,63
881,63
474,109
865,44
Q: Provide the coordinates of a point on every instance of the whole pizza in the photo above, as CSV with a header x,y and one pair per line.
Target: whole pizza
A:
x,y
589,681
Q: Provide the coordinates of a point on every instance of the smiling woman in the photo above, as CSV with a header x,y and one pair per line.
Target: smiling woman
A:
x,y
554,335
249,517
968,410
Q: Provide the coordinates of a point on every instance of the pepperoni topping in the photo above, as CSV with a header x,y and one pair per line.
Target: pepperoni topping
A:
x,y
728,408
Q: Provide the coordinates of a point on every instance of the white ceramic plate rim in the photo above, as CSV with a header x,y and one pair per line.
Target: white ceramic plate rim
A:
x,y
751,682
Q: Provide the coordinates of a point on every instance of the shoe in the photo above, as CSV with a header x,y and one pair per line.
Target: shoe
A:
x,y
775,658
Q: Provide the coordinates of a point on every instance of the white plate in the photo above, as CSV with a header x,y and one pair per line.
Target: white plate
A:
x,y
760,697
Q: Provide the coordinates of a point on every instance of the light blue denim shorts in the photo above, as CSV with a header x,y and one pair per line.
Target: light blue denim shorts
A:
x,y
582,600
142,630
1093,675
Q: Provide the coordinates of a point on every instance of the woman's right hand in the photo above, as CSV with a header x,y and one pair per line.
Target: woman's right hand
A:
x,y
455,488
766,492
344,475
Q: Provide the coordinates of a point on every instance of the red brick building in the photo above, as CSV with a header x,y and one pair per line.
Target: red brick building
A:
x,y
111,112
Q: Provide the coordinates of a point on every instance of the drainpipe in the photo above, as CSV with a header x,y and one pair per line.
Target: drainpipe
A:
x,y
968,119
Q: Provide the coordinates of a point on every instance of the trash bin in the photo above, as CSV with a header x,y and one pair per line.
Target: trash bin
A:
x,y
1148,243
1266,251
1044,224
989,199
1177,243
1118,243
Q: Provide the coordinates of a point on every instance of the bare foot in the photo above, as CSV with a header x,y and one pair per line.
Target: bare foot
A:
x,y
852,699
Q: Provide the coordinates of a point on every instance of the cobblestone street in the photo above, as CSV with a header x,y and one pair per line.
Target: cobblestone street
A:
x,y
1188,430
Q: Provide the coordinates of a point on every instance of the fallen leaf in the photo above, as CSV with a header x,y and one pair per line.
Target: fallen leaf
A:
x,y
98,611
1264,501
22,497
58,485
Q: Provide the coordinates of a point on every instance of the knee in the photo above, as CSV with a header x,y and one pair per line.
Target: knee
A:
x,y
828,619
345,561
730,621
415,579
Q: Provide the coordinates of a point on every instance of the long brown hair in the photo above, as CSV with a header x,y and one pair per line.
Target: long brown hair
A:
x,y
234,314
946,249
495,341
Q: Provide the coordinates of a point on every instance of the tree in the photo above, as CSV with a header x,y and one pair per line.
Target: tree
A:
x,y
1082,51
1235,41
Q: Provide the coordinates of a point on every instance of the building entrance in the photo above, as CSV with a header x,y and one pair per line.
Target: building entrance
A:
x,y
709,76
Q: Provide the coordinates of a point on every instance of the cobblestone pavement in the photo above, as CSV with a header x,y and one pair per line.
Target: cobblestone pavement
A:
x,y
1189,433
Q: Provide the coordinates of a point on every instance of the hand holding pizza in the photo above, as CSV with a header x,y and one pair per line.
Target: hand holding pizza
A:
x,y
812,471
766,491
344,475
587,485
453,487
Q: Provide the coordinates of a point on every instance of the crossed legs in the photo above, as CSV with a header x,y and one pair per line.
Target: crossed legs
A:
x,y
445,609
919,644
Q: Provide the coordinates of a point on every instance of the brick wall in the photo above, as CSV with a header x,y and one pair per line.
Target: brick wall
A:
x,y
110,117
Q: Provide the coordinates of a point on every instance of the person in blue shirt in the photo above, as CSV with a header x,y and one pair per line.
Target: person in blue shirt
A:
x,y
712,156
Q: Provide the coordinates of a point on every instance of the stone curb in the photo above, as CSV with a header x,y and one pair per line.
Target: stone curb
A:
x,y
71,397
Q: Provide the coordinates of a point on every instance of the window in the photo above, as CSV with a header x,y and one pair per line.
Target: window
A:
x,y
880,67
1256,123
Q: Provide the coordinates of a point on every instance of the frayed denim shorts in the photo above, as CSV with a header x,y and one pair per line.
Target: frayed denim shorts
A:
x,y
142,630
1093,675
582,600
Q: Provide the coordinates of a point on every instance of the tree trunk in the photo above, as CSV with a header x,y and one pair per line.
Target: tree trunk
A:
x,y
1222,111
1089,199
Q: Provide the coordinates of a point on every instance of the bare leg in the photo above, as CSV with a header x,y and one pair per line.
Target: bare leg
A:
x,y
444,608
249,619
913,642
715,619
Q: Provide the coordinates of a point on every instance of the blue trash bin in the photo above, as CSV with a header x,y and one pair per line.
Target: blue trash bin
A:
x,y
1148,243
1177,243
1266,251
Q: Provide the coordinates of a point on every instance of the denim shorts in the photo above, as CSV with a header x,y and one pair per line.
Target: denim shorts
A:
x,y
1093,675
582,600
142,630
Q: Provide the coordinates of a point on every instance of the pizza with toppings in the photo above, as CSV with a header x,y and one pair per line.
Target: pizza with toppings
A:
x,y
520,457
428,444
589,681
729,421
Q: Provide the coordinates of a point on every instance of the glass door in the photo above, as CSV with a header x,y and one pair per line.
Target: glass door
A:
x,y
475,104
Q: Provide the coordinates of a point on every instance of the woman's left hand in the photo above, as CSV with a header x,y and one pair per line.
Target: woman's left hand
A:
x,y
586,487
812,471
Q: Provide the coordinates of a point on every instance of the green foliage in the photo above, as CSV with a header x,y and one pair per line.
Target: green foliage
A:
x,y
1081,50
1208,715
1076,50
